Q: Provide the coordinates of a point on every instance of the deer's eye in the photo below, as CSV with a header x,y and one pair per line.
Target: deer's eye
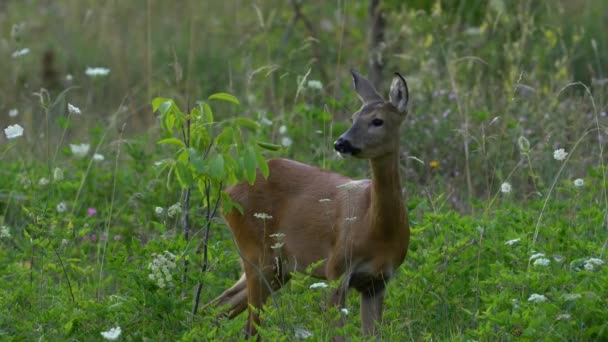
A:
x,y
377,122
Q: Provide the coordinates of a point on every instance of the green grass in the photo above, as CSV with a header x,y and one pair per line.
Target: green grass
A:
x,y
495,88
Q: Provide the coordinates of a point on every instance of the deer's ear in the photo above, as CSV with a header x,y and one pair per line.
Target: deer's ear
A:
x,y
364,88
399,94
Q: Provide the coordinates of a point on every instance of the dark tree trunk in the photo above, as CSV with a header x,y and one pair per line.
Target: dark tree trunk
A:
x,y
376,41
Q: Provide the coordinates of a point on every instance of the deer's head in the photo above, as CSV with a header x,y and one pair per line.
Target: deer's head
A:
x,y
375,129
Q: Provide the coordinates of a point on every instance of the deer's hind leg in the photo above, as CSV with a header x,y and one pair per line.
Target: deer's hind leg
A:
x,y
233,301
263,278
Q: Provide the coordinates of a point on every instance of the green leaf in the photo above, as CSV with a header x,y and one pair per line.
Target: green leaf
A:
x,y
247,123
226,137
224,97
157,102
184,174
171,141
269,146
165,107
262,164
250,165
216,167
207,113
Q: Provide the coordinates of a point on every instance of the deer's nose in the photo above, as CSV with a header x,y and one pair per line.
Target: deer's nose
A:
x,y
344,146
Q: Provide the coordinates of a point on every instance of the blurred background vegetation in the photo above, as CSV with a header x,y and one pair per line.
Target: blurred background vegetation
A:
x,y
481,74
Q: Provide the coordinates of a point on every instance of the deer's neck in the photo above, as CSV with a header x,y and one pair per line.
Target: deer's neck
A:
x,y
388,217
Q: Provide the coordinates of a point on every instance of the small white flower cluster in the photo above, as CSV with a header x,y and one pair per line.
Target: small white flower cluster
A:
x,y
97,72
571,296
20,53
579,182
592,263
73,109
5,232
320,285
542,262
13,131
512,242
314,84
98,157
505,188
353,185
285,139
279,238
62,207
57,174
13,112
80,150
159,211
262,216
302,334
539,259
174,210
161,266
112,334
537,298
560,154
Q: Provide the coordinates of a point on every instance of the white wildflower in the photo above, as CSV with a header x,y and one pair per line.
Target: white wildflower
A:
x,y
563,317
512,242
159,210
277,245
161,268
286,141
571,296
344,311
112,334
95,72
57,174
320,285
542,262
43,181
13,112
302,334
20,53
262,216
98,157
73,109
560,154
62,207
278,236
174,210
351,219
352,185
283,129
69,77
579,182
314,84
505,188
593,263
80,150
537,298
5,232
536,256
13,131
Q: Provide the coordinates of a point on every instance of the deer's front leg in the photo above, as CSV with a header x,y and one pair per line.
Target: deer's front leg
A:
x,y
371,311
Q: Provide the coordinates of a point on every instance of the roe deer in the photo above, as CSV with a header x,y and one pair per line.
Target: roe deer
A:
x,y
358,228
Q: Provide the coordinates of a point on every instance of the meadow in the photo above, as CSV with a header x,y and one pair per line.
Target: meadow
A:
x,y
123,121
